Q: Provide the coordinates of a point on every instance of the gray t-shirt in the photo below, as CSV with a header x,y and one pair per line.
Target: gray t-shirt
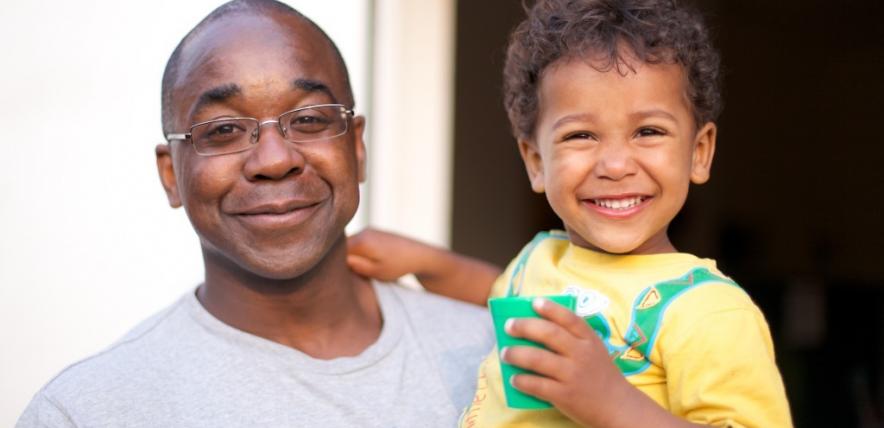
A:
x,y
185,368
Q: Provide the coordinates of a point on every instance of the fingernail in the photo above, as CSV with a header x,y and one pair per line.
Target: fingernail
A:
x,y
503,353
508,325
538,303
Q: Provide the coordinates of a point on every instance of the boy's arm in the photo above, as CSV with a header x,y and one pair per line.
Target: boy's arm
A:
x,y
722,370
386,256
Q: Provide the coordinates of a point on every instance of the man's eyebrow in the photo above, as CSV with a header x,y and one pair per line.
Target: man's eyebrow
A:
x,y
310,85
216,95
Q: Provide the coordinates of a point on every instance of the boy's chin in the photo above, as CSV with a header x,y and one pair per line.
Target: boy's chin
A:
x,y
614,245
604,246
621,247
616,249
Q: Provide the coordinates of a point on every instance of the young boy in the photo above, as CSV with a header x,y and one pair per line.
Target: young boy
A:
x,y
613,105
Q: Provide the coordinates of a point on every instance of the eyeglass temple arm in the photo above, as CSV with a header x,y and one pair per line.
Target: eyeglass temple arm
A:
x,y
184,136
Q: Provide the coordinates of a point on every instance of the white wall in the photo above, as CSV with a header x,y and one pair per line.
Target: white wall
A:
x,y
410,179
88,244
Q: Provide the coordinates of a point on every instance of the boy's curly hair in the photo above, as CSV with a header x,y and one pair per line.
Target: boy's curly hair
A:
x,y
656,31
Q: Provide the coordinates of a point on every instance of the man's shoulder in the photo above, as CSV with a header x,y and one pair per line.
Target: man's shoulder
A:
x,y
434,308
450,322
453,337
137,351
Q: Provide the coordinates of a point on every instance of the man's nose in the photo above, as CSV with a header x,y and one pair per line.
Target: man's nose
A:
x,y
274,157
615,160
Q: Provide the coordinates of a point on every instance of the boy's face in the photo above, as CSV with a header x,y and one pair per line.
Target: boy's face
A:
x,y
616,152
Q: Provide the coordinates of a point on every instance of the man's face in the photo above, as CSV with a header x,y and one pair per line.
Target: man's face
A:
x,y
276,209
615,153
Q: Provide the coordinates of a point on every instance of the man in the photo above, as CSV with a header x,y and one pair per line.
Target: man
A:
x,y
265,155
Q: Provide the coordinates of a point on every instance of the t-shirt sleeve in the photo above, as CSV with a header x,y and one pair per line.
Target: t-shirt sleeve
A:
x,y
721,371
501,284
43,412
498,289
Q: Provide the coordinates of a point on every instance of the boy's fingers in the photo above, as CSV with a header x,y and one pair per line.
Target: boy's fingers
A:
x,y
361,265
542,331
538,360
560,315
541,387
363,238
355,242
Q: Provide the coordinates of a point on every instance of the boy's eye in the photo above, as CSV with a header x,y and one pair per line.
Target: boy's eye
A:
x,y
650,132
578,136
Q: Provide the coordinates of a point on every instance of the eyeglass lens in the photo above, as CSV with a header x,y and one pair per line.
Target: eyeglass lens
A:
x,y
224,136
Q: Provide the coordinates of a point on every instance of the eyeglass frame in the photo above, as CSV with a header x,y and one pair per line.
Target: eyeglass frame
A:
x,y
189,134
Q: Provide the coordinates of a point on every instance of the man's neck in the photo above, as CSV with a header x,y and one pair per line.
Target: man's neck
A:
x,y
310,313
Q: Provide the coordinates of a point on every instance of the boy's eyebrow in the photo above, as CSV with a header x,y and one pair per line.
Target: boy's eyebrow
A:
x,y
589,117
578,117
653,113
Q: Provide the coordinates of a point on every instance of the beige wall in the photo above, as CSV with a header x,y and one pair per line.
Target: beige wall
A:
x,y
410,149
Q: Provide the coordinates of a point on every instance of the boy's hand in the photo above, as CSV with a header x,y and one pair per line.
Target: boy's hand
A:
x,y
386,256
576,374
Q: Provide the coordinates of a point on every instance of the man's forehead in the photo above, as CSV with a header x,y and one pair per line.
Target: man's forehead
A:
x,y
251,45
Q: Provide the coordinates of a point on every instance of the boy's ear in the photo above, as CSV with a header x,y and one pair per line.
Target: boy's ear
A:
x,y
167,174
704,151
533,164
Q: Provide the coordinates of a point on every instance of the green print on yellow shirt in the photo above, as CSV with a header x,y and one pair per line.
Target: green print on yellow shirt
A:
x,y
647,313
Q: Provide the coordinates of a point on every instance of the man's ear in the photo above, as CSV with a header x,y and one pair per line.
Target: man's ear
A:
x,y
703,152
167,174
359,142
533,164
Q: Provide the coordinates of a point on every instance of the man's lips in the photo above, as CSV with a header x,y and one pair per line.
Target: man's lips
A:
x,y
277,214
276,207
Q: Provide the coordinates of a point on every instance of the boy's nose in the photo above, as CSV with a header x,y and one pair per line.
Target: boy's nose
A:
x,y
274,157
615,161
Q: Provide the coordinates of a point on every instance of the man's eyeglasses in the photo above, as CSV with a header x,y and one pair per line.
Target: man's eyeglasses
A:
x,y
237,134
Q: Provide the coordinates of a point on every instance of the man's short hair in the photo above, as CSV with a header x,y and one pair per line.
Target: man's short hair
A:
x,y
170,75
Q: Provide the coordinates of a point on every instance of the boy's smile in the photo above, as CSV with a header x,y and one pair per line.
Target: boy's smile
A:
x,y
616,151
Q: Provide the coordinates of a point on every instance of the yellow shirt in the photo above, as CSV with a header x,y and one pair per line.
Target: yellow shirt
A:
x,y
679,330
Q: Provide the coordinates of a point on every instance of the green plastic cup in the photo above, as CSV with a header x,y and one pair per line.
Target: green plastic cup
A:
x,y
502,309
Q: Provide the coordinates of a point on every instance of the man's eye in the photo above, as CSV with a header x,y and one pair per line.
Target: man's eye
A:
x,y
309,123
224,129
304,120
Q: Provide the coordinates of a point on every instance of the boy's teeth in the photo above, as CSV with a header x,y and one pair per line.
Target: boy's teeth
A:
x,y
619,204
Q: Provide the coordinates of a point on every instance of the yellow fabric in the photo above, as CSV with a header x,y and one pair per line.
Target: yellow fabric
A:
x,y
712,361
